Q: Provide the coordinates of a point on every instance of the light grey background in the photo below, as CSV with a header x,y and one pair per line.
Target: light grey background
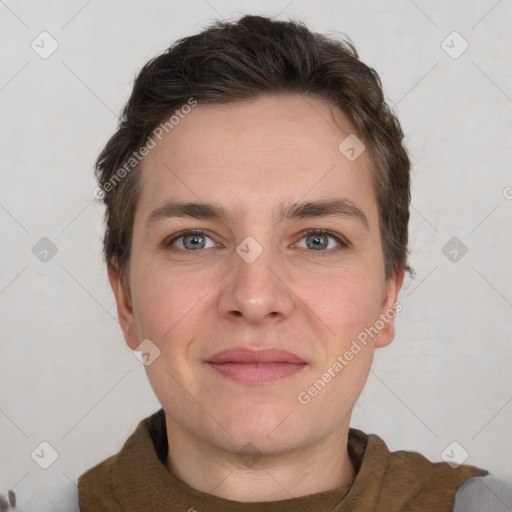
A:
x,y
66,376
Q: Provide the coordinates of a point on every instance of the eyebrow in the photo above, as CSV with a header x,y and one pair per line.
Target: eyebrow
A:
x,y
340,208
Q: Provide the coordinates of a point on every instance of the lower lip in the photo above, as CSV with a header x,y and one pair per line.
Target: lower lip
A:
x,y
257,373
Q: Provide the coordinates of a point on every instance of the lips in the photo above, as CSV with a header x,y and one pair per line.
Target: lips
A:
x,y
245,355
256,366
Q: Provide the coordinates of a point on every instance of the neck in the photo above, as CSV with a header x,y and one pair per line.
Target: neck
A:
x,y
317,468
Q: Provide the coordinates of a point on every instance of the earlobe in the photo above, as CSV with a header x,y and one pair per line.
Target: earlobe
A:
x,y
389,309
125,312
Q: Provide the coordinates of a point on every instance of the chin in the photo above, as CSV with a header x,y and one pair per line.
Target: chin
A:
x,y
267,426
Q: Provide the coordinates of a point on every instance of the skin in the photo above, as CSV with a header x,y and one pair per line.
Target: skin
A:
x,y
249,157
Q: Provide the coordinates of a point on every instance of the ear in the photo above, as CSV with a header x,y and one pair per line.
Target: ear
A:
x,y
390,308
124,306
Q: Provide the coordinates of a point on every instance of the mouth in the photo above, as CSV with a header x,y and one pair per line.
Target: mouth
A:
x,y
256,366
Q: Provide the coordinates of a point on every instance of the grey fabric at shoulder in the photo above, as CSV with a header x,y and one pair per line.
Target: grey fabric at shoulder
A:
x,y
487,493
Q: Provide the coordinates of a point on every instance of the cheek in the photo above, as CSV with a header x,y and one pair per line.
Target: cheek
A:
x,y
347,303
166,307
348,306
167,302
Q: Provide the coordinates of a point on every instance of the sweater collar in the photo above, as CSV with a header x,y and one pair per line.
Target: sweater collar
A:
x,y
141,479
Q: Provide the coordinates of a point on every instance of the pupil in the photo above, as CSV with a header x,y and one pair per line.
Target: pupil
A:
x,y
321,239
195,244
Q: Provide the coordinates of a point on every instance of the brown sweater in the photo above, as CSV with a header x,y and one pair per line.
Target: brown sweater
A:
x,y
136,479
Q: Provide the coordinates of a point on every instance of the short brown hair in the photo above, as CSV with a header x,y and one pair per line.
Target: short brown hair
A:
x,y
236,61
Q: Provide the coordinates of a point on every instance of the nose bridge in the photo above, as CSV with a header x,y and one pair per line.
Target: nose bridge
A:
x,y
255,289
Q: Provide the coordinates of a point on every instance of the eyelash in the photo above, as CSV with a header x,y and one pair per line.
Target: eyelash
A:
x,y
343,242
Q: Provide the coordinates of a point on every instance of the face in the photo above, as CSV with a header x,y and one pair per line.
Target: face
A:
x,y
251,311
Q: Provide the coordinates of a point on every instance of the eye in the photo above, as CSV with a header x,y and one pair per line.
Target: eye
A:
x,y
191,240
319,240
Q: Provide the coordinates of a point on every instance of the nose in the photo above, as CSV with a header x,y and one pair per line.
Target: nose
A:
x,y
256,291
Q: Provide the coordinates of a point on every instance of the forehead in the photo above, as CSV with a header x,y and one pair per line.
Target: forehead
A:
x,y
257,154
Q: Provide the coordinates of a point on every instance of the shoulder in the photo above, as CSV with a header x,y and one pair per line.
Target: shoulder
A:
x,y
95,488
106,485
408,478
484,493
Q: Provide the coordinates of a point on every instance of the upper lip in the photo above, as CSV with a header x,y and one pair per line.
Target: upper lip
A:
x,y
245,355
